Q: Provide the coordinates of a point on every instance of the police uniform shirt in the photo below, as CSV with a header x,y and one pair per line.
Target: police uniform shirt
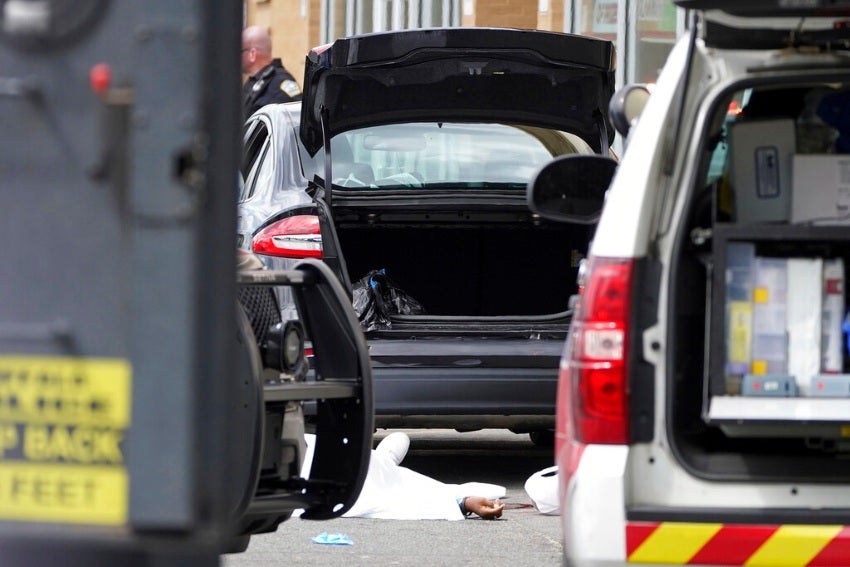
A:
x,y
271,84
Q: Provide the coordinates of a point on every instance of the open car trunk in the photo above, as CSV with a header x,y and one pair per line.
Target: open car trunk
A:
x,y
441,206
467,265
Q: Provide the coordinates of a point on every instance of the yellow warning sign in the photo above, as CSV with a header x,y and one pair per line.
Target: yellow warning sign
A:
x,y
82,391
62,426
63,493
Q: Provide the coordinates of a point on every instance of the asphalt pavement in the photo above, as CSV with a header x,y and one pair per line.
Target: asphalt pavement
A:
x,y
522,537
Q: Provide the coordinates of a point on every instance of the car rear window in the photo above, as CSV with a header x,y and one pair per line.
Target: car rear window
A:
x,y
445,155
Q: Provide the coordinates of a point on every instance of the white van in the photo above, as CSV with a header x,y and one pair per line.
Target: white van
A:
x,y
704,396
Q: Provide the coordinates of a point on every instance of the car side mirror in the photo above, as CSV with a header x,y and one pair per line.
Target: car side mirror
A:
x,y
626,106
571,188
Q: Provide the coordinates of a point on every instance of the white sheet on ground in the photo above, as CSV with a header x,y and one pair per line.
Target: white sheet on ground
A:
x,y
394,492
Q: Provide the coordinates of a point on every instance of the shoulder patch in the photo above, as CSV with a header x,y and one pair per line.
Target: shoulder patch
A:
x,y
290,87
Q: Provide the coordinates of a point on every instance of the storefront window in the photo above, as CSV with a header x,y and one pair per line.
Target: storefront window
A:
x,y
655,35
352,17
598,18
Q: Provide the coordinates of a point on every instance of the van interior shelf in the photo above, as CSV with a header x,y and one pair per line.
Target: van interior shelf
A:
x,y
777,231
764,409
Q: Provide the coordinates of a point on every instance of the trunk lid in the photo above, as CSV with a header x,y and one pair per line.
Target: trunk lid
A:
x,y
527,77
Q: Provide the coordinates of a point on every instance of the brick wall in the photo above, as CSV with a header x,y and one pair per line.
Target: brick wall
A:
x,y
500,13
553,18
294,26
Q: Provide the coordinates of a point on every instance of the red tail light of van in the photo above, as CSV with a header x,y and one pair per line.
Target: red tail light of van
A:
x,y
594,388
292,237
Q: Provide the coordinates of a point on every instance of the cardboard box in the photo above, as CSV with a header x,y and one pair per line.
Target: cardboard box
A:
x,y
821,189
760,153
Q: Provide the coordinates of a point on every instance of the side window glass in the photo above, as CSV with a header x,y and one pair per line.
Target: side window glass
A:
x,y
255,135
261,175
256,143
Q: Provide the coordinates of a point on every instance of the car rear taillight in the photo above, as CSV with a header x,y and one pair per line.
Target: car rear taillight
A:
x,y
292,237
593,398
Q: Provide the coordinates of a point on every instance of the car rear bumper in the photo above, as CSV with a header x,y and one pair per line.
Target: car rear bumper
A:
x,y
466,383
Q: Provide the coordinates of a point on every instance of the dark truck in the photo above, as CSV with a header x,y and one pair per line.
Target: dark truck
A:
x,y
150,395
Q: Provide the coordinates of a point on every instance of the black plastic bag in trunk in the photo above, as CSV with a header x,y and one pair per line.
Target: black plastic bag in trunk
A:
x,y
377,298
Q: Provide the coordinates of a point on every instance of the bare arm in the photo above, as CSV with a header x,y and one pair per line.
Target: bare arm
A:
x,y
486,509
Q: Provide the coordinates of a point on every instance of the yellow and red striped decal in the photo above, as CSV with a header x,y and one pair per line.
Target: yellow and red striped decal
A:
x,y
754,545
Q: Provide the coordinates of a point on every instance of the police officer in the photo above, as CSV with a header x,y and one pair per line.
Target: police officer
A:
x,y
268,81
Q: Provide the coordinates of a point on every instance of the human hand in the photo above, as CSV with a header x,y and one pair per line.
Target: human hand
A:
x,y
483,507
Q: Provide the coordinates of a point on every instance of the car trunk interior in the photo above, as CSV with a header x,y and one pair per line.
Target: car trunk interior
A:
x,y
471,268
775,430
